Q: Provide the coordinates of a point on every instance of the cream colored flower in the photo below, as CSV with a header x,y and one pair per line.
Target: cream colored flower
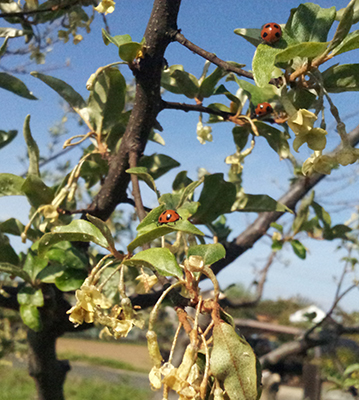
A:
x,y
106,6
204,133
155,378
302,121
315,138
347,155
89,299
146,283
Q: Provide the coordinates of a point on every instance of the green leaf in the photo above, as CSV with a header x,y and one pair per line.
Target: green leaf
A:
x,y
299,249
344,26
277,226
32,149
11,185
11,32
15,271
188,191
142,173
36,191
263,64
187,83
350,42
277,245
276,139
7,253
6,137
340,13
210,253
33,265
116,40
78,231
217,197
30,295
259,203
258,94
66,255
158,164
336,232
234,364
70,279
107,100
15,85
240,136
253,36
341,78
310,23
322,215
181,181
15,227
303,50
50,273
151,232
160,259
208,84
129,51
103,228
4,46
168,81
31,317
63,89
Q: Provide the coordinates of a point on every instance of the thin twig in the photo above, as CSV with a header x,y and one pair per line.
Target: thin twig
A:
x,y
169,105
141,213
211,56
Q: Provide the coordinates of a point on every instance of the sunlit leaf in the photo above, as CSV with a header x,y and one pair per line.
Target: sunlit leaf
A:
x,y
187,83
32,149
78,231
36,191
66,91
341,78
277,140
11,185
160,259
103,228
30,295
142,173
303,50
350,42
343,27
253,36
263,64
259,203
210,253
31,317
234,363
158,164
311,23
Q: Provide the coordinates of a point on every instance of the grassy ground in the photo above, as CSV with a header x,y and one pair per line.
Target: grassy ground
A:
x,y
104,362
16,384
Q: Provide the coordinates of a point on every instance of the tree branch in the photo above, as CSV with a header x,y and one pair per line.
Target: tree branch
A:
x,y
169,105
211,57
147,105
259,227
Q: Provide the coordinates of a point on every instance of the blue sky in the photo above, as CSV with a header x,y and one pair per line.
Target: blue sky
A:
x,y
209,25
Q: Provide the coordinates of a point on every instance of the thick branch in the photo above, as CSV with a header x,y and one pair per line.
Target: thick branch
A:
x,y
259,227
146,106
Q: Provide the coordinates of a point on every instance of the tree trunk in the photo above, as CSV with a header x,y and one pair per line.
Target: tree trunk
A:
x,y
48,372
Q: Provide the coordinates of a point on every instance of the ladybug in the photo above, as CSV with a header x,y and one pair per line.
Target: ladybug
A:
x,y
168,216
263,109
271,32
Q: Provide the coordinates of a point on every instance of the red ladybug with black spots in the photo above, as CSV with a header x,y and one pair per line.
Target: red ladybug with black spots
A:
x,y
263,109
271,32
168,216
